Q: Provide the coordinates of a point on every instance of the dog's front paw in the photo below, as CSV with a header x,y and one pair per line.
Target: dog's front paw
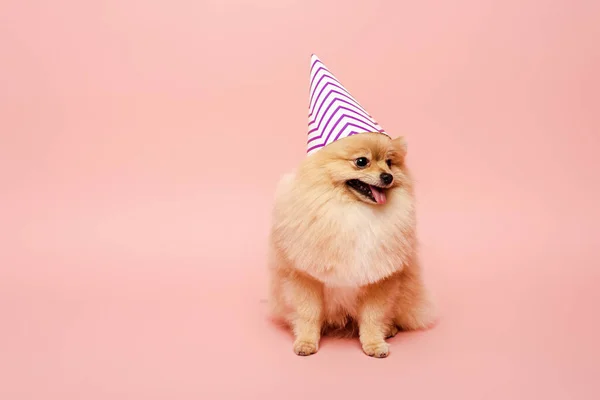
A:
x,y
377,349
392,331
304,348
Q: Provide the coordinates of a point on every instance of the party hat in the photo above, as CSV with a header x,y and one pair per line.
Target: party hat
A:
x,y
333,113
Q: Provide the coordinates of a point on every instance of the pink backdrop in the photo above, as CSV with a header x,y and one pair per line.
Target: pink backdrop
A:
x,y
135,136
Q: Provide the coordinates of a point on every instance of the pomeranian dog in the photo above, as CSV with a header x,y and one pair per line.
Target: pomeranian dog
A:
x,y
343,256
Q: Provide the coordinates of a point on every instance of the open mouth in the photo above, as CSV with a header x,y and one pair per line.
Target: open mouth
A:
x,y
374,193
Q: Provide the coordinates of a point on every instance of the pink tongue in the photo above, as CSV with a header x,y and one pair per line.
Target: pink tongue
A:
x,y
379,195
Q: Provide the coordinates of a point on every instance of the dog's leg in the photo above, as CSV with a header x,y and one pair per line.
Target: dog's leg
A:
x,y
414,308
391,331
306,297
373,322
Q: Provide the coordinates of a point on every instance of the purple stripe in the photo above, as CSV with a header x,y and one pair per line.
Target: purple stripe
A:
x,y
335,83
325,101
323,88
345,94
314,62
367,125
357,110
314,147
347,125
365,121
352,102
312,88
364,126
366,129
337,137
337,123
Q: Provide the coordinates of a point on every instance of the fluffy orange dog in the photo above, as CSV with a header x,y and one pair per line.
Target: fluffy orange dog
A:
x,y
343,250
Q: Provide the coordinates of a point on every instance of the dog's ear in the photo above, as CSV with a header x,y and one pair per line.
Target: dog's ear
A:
x,y
400,147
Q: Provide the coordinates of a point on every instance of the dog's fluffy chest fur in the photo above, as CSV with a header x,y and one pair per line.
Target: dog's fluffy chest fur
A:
x,y
340,302
341,298
340,243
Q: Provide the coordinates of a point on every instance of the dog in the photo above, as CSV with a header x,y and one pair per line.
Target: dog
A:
x,y
342,249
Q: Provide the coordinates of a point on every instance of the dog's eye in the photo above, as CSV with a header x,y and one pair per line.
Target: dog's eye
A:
x,y
388,162
361,162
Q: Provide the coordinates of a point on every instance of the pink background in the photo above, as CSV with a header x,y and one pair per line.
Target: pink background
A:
x,y
135,136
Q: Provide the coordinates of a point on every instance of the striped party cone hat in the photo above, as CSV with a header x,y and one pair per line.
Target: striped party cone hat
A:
x,y
332,112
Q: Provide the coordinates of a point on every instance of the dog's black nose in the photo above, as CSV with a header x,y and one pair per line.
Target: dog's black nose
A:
x,y
386,178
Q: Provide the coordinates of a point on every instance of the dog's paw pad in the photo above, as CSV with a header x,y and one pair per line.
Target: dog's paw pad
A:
x,y
377,350
302,348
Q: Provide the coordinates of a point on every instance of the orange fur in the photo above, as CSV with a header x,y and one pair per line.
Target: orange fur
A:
x,y
340,262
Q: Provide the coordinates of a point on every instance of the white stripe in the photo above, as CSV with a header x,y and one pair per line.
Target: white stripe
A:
x,y
316,67
335,100
339,114
338,128
334,85
319,75
346,132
